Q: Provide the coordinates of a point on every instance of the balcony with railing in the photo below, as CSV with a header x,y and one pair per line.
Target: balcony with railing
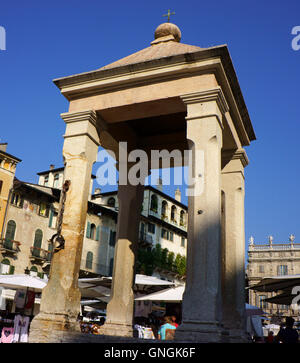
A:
x,y
40,255
145,239
9,246
275,247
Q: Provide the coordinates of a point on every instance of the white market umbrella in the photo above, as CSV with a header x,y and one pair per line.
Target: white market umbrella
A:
x,y
22,281
173,294
139,280
99,287
151,280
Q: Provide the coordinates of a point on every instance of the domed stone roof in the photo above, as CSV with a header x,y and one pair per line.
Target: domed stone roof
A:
x,y
166,44
168,29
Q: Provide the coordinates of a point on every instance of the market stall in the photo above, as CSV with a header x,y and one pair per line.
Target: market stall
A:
x,y
16,314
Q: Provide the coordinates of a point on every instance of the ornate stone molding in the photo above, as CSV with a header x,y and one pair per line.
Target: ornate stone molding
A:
x,y
215,94
239,154
86,118
89,115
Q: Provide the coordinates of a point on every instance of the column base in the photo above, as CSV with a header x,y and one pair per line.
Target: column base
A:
x,y
201,332
117,330
51,328
238,336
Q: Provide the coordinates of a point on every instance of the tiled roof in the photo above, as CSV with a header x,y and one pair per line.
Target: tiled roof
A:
x,y
155,51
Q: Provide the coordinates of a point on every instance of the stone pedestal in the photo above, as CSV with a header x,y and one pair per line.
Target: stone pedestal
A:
x,y
60,303
119,316
233,255
202,302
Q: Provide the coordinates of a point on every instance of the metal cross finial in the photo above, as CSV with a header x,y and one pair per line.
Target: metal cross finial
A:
x,y
169,14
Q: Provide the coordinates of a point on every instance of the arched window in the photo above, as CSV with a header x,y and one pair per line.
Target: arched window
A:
x,y
111,202
5,266
164,209
33,271
93,231
182,218
37,244
56,181
89,260
153,204
10,234
173,213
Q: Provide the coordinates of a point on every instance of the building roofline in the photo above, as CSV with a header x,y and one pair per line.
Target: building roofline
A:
x,y
56,170
10,156
150,187
38,188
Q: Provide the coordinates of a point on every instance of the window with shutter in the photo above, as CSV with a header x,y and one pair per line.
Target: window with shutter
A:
x,y
38,237
98,233
93,231
5,266
88,230
33,271
89,260
50,217
10,234
50,252
112,238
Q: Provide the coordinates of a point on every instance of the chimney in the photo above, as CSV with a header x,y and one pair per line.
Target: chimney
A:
x,y
178,195
3,146
159,185
51,166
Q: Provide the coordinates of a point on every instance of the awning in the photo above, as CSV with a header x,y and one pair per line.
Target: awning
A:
x,y
23,281
99,287
173,294
276,283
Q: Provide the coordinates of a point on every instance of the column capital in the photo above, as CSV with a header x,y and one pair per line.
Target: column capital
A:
x,y
82,123
215,94
88,115
239,154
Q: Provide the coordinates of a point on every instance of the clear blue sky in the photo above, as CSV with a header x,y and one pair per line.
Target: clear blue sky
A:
x,y
47,40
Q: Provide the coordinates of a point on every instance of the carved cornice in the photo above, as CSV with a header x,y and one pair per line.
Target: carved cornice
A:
x,y
215,94
80,116
239,154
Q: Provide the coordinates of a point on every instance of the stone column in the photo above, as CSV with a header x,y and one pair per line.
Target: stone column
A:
x,y
202,303
60,303
119,313
233,255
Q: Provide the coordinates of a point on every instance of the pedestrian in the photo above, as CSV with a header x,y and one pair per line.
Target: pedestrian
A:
x,y
173,318
166,326
270,337
288,334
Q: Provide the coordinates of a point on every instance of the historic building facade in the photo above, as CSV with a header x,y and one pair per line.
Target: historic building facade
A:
x,y
267,260
31,221
8,165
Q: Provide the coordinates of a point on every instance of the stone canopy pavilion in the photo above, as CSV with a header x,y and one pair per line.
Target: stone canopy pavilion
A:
x,y
167,96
